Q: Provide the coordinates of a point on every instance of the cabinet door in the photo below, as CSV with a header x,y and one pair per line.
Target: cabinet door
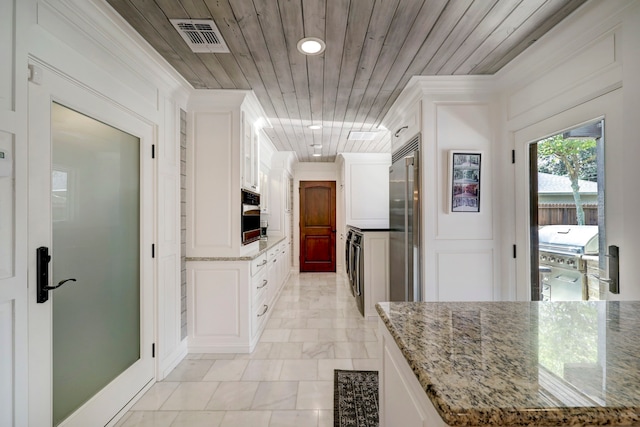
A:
x,y
250,156
264,190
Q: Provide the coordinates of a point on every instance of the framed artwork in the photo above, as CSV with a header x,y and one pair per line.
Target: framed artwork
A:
x,y
464,181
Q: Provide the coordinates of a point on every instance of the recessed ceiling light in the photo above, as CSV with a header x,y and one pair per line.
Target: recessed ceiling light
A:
x,y
317,154
362,136
314,127
316,145
311,46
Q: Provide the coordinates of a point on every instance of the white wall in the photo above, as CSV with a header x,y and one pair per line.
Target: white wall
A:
x,y
312,171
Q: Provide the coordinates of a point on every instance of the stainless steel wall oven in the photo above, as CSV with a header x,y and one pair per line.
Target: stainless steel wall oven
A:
x,y
250,217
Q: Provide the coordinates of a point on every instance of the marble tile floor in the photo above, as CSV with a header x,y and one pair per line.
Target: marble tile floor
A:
x,y
287,381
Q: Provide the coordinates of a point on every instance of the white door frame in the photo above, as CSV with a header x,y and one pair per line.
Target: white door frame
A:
x,y
114,397
609,107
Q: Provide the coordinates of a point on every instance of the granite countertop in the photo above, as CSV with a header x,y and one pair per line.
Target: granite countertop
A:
x,y
263,246
523,363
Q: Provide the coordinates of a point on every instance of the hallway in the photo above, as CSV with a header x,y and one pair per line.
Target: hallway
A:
x,y
288,379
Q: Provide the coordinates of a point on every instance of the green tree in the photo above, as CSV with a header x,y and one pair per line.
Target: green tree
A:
x,y
574,157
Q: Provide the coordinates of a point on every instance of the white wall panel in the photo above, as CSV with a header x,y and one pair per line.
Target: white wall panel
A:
x,y
465,276
223,287
209,160
559,80
170,297
6,367
6,53
464,127
7,202
169,205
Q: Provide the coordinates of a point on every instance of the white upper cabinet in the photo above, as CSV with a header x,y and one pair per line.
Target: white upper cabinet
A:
x,y
405,125
280,197
250,153
223,157
365,189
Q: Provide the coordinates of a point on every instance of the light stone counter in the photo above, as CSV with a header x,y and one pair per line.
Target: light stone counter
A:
x,y
263,246
522,363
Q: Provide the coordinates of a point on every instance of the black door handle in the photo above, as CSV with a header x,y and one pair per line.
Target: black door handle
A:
x,y
42,264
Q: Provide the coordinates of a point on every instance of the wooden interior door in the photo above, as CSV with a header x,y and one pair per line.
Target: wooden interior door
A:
x,y
317,226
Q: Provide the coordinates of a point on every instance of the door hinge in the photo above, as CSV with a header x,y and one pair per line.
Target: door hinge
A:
x,y
153,250
153,151
514,251
513,156
153,350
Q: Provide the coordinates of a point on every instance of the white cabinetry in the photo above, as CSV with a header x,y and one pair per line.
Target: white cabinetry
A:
x,y
402,399
280,204
405,125
376,270
365,188
250,153
229,302
222,157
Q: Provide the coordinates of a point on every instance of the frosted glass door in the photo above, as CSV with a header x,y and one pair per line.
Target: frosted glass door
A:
x,y
96,241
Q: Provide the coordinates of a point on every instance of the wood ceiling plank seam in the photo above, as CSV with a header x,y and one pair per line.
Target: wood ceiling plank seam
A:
x,y
360,13
247,19
441,30
276,46
157,18
140,24
514,20
210,60
293,29
540,18
233,69
337,14
374,41
475,14
531,32
224,66
419,33
222,12
314,21
401,26
271,24
359,19
498,14
196,9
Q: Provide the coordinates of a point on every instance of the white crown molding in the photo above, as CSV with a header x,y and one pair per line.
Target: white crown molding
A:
x,y
106,28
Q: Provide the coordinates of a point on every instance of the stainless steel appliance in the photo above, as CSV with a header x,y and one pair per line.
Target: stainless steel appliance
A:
x,y
560,252
356,267
250,222
348,258
404,223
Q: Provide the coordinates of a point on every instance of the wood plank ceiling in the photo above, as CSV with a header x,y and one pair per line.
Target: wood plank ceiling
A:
x,y
373,48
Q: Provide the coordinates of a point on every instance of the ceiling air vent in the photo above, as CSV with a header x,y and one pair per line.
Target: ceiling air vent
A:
x,y
201,35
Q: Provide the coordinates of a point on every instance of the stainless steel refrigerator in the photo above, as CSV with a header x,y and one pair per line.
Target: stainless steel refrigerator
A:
x,y
404,223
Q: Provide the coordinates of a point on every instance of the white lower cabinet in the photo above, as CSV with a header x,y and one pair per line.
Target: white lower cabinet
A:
x,y
229,302
403,402
376,270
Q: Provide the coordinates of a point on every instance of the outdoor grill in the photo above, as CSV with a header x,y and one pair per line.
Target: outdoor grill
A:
x,y
563,271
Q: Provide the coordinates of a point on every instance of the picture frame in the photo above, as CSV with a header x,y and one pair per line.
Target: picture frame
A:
x,y
464,181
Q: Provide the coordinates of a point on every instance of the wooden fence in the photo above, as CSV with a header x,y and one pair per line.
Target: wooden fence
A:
x,y
565,213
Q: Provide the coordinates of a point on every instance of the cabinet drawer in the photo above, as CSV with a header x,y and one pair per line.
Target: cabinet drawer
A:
x,y
260,315
259,286
258,264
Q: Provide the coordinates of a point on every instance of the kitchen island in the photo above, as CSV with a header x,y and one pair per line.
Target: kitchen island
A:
x,y
509,363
